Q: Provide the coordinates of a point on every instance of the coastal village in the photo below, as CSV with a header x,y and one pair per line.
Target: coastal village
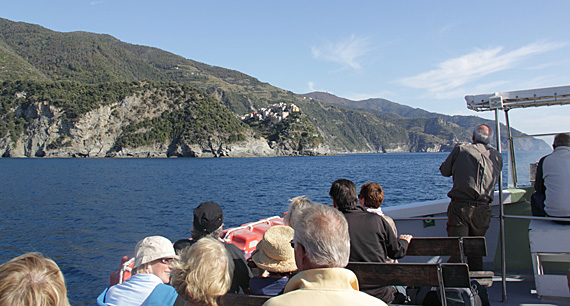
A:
x,y
275,113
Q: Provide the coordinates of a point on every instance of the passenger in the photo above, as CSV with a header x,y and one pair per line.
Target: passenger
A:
x,y
296,206
208,222
275,255
32,279
371,237
203,274
322,248
151,273
475,169
552,189
371,197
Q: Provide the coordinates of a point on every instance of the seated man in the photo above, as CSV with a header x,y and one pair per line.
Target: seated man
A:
x,y
552,190
322,248
371,237
208,219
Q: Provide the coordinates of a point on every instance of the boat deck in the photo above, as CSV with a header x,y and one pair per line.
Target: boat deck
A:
x,y
520,290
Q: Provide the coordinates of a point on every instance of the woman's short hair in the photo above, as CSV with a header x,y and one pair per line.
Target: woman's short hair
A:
x,y
372,194
204,272
296,207
32,279
314,231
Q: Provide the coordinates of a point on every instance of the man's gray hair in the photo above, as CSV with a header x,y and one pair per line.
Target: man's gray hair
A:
x,y
482,134
562,139
196,235
323,232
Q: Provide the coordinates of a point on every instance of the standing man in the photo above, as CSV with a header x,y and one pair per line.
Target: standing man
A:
x,y
552,185
372,239
475,169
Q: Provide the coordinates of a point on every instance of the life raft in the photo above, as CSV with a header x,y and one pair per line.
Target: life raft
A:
x,y
245,237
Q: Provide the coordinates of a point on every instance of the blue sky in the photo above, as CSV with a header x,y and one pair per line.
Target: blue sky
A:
x,y
425,54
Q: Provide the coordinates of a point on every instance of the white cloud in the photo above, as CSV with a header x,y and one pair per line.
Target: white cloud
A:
x,y
456,72
346,52
311,86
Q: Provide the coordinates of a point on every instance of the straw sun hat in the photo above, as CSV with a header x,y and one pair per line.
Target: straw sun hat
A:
x,y
274,252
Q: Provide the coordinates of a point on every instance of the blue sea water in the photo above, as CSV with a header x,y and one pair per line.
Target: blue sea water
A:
x,y
87,213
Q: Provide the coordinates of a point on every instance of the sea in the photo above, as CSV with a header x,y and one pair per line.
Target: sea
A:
x,y
87,213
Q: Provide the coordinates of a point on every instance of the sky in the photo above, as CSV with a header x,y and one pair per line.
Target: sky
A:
x,y
424,54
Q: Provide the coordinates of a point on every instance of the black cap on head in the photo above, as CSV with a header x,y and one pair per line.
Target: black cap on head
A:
x,y
208,217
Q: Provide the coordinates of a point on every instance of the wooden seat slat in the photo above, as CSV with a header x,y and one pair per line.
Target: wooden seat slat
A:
x,y
410,274
244,299
447,246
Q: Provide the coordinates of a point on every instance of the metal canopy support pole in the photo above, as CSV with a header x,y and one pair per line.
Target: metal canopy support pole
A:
x,y
512,161
501,213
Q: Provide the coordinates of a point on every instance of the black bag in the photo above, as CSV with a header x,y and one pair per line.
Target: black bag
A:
x,y
476,295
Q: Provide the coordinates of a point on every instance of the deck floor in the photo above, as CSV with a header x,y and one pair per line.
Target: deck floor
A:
x,y
520,288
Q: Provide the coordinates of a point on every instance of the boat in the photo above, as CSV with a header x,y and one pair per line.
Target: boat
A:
x,y
520,278
519,245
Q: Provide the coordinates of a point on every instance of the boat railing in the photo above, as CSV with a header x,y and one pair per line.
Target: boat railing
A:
x,y
248,226
537,218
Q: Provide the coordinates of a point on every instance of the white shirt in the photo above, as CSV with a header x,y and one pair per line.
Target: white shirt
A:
x,y
556,174
133,292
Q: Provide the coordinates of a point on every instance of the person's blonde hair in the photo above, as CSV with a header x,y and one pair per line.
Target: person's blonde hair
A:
x,y
32,279
295,208
143,269
204,272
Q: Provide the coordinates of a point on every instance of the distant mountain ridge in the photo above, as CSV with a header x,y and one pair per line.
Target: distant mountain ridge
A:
x,y
375,104
86,94
388,107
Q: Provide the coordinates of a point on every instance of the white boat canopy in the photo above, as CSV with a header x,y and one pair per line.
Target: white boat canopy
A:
x,y
506,101
519,99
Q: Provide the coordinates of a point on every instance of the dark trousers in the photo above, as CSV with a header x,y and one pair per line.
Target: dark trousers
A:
x,y
468,219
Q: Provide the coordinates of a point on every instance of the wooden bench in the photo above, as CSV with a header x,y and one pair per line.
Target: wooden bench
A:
x,y
462,247
413,275
244,299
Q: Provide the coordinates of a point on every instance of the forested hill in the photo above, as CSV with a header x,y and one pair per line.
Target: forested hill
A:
x,y
86,94
404,112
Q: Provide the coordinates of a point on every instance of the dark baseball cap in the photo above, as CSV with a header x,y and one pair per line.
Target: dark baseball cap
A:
x,y
208,217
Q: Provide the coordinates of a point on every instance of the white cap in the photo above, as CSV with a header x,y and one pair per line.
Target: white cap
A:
x,y
153,248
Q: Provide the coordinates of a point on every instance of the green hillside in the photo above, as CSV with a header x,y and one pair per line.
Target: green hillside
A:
x,y
186,102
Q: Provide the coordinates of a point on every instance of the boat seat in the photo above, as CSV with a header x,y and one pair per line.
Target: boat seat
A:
x,y
549,243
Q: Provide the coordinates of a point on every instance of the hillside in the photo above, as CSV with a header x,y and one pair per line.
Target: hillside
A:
x,y
86,94
417,118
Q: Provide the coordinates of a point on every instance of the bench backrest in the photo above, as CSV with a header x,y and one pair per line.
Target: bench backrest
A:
x,y
231,299
413,275
447,246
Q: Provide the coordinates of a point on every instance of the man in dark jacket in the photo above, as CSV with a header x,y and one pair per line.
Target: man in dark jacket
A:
x,y
371,237
208,219
475,168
